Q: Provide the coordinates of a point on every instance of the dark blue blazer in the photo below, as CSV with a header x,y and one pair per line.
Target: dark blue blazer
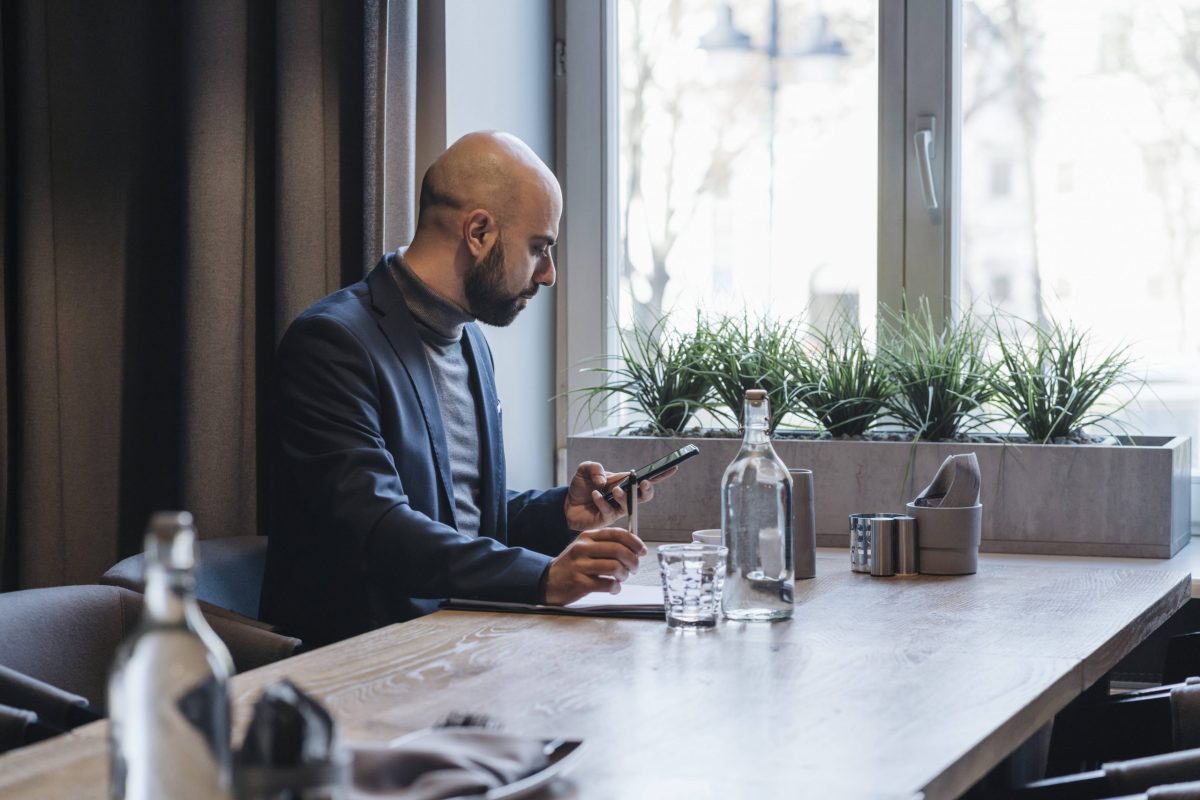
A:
x,y
363,530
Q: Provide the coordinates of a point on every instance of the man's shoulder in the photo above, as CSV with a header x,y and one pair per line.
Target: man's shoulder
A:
x,y
350,306
340,322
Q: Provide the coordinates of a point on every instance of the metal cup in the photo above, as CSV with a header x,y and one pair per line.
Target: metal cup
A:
x,y
883,544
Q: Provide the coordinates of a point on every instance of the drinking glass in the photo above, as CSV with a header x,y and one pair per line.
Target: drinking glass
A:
x,y
693,575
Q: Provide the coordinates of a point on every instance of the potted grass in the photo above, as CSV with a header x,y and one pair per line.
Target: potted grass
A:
x,y
1049,384
873,422
659,382
742,353
942,375
845,388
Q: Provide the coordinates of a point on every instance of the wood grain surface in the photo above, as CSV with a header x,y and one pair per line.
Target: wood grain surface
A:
x,y
879,687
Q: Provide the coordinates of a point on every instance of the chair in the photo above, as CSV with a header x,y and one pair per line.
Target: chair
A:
x,y
229,574
1122,778
19,727
66,637
1127,726
33,710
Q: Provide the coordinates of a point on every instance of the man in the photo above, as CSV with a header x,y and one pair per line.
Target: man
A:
x,y
391,491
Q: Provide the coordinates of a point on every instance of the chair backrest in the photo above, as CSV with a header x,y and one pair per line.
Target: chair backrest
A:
x,y
66,636
229,573
15,724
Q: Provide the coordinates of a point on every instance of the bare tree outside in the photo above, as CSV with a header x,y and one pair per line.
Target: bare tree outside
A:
x,y
1081,181
655,97
734,150
1004,81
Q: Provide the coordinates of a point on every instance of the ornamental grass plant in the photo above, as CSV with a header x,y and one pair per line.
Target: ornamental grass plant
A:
x,y
942,375
659,376
845,389
1049,382
745,352
931,382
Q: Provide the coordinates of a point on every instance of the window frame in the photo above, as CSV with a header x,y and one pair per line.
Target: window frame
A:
x,y
916,255
586,148
920,74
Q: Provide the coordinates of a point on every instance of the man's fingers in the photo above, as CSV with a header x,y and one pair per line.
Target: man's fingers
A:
x,y
603,567
595,583
605,506
620,536
604,584
613,478
611,551
593,473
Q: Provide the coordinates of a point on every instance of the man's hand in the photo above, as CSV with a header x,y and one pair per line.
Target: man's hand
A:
x,y
585,505
597,561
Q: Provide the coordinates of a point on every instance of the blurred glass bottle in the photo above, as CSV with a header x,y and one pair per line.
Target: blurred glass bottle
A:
x,y
756,523
168,696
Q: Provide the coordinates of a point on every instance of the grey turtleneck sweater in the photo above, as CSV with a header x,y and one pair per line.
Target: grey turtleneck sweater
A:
x,y
440,325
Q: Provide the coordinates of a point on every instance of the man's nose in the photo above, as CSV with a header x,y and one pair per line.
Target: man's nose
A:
x,y
545,274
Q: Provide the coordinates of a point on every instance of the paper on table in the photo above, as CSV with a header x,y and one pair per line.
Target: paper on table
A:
x,y
633,601
630,597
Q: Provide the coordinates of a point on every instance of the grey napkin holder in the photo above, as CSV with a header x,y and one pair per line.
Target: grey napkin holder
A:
x,y
948,538
883,544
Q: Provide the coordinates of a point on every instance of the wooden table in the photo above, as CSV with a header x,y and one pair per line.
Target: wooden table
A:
x,y
879,687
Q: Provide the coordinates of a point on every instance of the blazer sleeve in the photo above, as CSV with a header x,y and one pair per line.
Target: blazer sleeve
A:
x,y
336,456
538,520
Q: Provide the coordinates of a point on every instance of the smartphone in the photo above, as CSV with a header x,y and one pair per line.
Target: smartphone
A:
x,y
656,468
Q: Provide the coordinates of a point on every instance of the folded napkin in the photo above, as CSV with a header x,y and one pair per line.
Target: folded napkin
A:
x,y
288,729
441,763
290,749
956,484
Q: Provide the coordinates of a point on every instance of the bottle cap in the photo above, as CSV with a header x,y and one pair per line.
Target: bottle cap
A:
x,y
169,539
756,396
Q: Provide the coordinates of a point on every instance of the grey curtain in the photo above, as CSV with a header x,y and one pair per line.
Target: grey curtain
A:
x,y
179,181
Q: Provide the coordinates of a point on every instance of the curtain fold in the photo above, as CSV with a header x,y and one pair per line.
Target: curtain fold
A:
x,y
179,181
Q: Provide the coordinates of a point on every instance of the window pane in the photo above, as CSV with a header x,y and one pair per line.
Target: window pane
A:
x,y
1081,180
747,158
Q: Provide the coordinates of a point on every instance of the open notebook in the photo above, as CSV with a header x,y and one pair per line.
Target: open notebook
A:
x,y
633,601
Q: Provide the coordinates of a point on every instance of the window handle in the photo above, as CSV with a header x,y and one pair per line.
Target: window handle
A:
x,y
923,142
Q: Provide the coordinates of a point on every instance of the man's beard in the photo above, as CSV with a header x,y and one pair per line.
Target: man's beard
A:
x,y
488,299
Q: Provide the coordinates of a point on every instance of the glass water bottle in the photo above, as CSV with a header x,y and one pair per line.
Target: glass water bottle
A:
x,y
168,698
756,523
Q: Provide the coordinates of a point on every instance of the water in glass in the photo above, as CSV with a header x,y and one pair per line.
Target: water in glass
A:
x,y
692,577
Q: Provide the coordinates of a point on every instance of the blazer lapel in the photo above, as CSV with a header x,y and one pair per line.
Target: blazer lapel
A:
x,y
397,325
493,502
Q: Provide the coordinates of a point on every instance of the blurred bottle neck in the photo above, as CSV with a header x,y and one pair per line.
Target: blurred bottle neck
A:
x,y
170,561
756,416
169,593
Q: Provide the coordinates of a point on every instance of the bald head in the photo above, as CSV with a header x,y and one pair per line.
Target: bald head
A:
x,y
488,170
489,219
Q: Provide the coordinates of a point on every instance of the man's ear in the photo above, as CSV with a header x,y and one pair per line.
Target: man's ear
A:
x,y
479,231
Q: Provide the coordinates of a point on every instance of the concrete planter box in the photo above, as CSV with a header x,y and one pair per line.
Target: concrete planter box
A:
x,y
1050,499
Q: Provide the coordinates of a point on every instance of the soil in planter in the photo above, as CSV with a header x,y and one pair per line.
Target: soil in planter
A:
x,y
805,434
